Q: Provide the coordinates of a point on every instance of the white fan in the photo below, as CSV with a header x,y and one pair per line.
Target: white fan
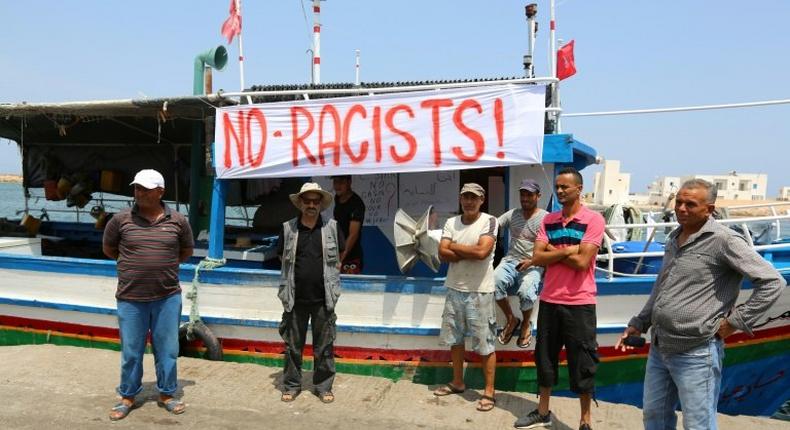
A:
x,y
413,242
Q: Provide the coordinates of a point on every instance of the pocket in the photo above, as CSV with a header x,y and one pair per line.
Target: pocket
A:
x,y
588,359
331,253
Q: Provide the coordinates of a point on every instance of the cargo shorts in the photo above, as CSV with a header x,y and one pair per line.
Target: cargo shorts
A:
x,y
469,315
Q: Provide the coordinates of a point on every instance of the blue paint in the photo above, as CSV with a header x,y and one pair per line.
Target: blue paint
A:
x,y
216,233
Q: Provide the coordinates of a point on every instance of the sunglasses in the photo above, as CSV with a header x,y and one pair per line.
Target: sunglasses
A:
x,y
316,201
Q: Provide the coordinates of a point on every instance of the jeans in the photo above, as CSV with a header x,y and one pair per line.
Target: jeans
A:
x,y
293,330
526,283
135,320
691,378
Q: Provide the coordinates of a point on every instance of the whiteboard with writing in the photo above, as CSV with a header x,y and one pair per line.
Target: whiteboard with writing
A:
x,y
417,191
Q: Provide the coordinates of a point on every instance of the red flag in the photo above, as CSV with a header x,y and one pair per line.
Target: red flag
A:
x,y
232,26
565,64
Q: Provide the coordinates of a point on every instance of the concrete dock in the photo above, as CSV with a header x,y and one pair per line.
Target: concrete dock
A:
x,y
60,387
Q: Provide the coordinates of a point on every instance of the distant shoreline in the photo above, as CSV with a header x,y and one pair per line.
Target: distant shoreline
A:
x,y
5,177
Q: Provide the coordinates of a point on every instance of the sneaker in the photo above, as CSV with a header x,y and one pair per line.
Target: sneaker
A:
x,y
585,426
533,420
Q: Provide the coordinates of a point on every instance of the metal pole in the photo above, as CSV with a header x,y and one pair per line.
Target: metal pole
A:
x,y
316,42
356,79
555,103
241,55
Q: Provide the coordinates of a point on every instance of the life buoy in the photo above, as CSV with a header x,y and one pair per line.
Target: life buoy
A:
x,y
202,333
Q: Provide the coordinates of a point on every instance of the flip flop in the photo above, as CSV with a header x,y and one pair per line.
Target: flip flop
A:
x,y
289,396
326,397
505,339
120,411
524,342
488,405
448,389
172,405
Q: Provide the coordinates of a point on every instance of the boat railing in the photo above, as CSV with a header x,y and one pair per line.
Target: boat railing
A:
x,y
610,256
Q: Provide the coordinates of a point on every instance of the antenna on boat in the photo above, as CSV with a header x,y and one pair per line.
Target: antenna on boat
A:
x,y
531,10
316,42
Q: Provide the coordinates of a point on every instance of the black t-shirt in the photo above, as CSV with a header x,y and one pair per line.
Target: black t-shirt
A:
x,y
352,210
309,264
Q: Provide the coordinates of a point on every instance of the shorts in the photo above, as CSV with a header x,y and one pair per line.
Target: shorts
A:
x,y
572,326
469,314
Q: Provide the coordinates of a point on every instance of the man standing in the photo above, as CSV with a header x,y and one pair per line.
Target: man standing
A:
x,y
309,249
350,215
691,310
516,268
468,245
148,241
566,245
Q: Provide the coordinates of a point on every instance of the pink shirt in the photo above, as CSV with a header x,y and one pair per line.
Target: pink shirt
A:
x,y
562,284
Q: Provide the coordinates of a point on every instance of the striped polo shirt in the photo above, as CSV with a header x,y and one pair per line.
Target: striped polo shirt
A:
x,y
562,284
147,253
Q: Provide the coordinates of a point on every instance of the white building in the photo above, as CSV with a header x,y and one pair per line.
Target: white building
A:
x,y
611,186
784,194
738,186
659,191
732,186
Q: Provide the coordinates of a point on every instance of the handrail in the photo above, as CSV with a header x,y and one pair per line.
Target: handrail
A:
x,y
363,90
722,221
758,205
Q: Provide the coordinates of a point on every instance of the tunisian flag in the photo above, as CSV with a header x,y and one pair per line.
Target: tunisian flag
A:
x,y
565,64
232,26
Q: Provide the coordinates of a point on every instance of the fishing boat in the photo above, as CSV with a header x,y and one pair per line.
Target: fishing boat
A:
x,y
57,288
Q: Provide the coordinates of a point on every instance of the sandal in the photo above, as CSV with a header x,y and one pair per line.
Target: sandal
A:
x,y
289,396
486,406
120,411
326,397
524,342
447,389
505,336
172,405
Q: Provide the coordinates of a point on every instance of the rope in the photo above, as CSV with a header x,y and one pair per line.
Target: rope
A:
x,y
680,109
194,314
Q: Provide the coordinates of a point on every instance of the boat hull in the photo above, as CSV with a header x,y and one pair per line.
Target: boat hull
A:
x,y
387,327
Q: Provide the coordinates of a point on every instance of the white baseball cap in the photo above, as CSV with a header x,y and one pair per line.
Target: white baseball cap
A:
x,y
149,178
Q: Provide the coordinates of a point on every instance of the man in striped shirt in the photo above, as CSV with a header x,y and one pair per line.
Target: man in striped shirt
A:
x,y
148,241
691,310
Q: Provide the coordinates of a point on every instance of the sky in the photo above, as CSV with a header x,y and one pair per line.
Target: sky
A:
x,y
630,54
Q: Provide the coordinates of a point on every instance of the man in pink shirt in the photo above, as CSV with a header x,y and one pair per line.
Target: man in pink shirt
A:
x,y
566,245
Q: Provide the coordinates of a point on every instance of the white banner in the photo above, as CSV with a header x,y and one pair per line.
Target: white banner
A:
x,y
448,129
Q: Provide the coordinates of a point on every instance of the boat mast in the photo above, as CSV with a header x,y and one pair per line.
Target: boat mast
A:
x,y
531,10
356,69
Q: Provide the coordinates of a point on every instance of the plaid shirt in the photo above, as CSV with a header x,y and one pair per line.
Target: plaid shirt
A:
x,y
699,284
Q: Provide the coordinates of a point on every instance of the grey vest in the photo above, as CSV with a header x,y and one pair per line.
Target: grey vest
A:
x,y
331,255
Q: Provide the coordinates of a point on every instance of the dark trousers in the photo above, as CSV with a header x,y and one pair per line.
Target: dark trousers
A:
x,y
293,330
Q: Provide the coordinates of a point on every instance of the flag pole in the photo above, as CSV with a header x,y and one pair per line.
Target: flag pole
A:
x,y
555,102
241,54
316,42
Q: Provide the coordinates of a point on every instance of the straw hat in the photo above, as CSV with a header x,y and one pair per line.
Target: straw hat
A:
x,y
312,187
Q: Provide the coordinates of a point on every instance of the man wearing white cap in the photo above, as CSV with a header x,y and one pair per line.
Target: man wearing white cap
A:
x,y
468,245
309,248
149,241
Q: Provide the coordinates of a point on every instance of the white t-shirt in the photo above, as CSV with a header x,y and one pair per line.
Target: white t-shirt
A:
x,y
471,276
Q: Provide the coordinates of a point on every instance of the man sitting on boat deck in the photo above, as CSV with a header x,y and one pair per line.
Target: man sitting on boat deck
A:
x,y
566,246
516,268
148,241
309,248
349,212
691,310
468,245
